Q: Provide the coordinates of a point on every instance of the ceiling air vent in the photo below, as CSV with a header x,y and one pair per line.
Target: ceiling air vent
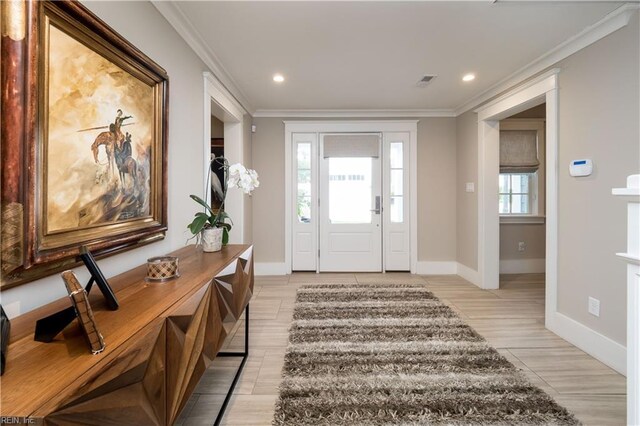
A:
x,y
425,80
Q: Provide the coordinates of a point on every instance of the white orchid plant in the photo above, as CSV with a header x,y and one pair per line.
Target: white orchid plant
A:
x,y
235,176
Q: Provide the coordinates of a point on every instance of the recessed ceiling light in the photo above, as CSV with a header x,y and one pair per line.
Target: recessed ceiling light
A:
x,y
468,77
278,78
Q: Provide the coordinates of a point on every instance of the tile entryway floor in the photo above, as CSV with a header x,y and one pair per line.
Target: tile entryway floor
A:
x,y
511,319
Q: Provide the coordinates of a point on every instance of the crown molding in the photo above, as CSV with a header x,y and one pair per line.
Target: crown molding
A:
x,y
612,22
353,113
183,26
520,88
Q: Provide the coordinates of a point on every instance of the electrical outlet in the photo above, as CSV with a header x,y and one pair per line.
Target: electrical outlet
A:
x,y
522,246
470,187
594,306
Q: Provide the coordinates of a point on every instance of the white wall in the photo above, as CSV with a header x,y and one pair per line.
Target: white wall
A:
x,y
267,150
532,259
599,110
217,128
467,202
599,91
436,189
140,23
247,160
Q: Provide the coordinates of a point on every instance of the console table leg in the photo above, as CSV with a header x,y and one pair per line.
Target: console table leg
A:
x,y
244,355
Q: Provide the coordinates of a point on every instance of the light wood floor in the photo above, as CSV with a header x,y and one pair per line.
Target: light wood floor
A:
x,y
511,319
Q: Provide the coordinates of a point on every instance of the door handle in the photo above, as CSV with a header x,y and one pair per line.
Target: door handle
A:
x,y
378,209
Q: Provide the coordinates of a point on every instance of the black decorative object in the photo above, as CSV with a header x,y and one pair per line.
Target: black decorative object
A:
x,y
48,328
98,278
5,328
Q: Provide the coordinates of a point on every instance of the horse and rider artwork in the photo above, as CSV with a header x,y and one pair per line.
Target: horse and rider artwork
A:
x,y
117,148
99,143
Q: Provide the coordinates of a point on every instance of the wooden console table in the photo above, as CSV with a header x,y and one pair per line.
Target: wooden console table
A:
x,y
158,345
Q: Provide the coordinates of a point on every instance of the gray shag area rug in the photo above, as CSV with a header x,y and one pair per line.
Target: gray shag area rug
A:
x,y
377,354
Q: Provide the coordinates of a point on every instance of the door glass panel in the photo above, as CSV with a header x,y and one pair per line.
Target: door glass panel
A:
x,y
304,156
395,155
350,199
396,204
304,176
304,189
396,182
304,209
303,201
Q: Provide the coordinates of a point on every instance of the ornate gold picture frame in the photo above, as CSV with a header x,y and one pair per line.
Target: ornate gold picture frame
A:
x,y
84,140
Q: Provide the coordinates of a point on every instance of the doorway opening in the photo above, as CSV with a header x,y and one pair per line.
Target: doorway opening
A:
x,y
223,116
217,173
521,201
541,90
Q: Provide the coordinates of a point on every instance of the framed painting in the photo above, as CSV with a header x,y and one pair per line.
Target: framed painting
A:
x,y
86,142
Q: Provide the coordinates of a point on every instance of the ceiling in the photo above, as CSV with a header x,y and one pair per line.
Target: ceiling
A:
x,y
370,55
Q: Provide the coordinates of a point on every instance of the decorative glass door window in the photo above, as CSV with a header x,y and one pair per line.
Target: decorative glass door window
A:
x,y
396,184
304,203
350,181
304,182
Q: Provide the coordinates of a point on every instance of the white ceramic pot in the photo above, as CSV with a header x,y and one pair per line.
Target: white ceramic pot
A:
x,y
211,239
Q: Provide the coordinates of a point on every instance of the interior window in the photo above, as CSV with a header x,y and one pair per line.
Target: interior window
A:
x,y
516,193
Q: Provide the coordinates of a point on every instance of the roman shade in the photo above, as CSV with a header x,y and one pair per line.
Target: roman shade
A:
x,y
355,145
518,151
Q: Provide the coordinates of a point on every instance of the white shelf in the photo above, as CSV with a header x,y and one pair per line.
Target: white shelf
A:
x,y
628,192
631,258
632,188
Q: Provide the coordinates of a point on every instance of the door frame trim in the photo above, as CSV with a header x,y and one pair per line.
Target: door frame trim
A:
x,y
364,126
219,102
543,89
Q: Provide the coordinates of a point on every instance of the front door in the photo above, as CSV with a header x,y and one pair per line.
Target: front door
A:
x,y
350,203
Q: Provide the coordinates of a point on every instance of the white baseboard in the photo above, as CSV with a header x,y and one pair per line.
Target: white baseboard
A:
x,y
468,274
270,268
448,268
595,344
522,266
436,268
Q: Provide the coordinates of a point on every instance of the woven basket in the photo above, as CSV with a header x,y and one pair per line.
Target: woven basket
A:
x,y
162,268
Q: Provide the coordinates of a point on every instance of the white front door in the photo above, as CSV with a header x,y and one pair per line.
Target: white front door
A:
x,y
350,224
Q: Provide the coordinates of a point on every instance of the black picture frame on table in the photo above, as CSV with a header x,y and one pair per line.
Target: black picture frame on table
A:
x,y
98,277
49,327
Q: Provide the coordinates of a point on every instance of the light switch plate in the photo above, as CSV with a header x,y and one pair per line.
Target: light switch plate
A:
x,y
594,306
470,187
